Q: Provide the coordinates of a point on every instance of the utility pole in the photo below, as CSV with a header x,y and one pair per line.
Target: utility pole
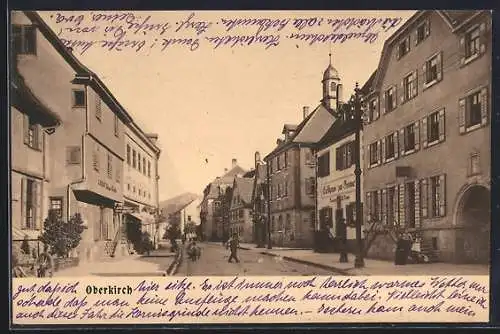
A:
x,y
359,261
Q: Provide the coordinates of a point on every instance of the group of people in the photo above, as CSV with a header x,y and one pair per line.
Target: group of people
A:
x,y
42,266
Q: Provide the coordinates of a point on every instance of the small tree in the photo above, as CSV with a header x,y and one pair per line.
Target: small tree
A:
x,y
74,230
61,236
25,246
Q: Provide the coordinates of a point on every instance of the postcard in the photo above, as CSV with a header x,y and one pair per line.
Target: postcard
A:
x,y
225,167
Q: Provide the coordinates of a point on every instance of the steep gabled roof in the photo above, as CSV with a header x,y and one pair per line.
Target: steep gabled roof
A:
x,y
243,187
315,127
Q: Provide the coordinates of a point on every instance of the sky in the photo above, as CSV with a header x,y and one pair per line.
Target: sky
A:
x,y
209,105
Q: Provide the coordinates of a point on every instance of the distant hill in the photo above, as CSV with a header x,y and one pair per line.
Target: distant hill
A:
x,y
175,203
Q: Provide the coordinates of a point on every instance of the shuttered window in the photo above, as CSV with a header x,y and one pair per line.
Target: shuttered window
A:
x,y
324,164
391,207
437,192
473,43
79,100
33,134
110,166
433,70
433,128
30,203
390,99
473,111
422,31
409,86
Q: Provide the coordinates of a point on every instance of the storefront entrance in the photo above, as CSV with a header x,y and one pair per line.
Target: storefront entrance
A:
x,y
474,215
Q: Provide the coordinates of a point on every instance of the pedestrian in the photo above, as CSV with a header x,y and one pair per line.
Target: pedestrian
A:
x,y
233,247
45,263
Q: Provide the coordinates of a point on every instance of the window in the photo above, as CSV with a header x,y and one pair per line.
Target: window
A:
x,y
422,31
240,215
324,165
474,109
310,186
374,206
128,155
389,146
390,99
410,86
79,99
134,159
432,69
374,154
433,127
32,133
278,163
404,47
139,161
144,166
74,155
118,170
279,191
286,159
149,168
474,164
372,110
117,123
472,43
344,156
128,186
110,166
309,159
24,39
285,189
56,206
409,204
409,138
350,213
98,111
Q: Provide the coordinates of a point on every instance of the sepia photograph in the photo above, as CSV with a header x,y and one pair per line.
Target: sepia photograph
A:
x,y
250,143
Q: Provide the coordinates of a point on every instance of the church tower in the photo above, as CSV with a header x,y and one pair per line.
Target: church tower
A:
x,y
332,88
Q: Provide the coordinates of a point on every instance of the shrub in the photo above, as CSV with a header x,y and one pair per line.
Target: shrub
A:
x,y
61,236
25,246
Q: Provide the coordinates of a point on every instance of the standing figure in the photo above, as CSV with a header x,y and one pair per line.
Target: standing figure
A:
x,y
233,247
45,263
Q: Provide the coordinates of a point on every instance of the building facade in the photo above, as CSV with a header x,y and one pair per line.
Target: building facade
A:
x,y
141,203
240,210
260,214
336,188
427,144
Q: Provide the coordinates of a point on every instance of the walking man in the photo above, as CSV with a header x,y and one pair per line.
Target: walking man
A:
x,y
233,246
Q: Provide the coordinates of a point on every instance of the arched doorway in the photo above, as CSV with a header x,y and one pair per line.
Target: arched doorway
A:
x,y
474,216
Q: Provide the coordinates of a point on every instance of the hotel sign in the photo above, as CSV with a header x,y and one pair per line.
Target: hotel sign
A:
x,y
329,189
107,186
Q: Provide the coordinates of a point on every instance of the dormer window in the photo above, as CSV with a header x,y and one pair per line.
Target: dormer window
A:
x,y
24,39
404,47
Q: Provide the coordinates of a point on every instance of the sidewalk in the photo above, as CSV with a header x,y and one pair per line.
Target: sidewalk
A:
x,y
131,265
330,261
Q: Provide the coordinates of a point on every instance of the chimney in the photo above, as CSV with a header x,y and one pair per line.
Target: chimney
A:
x,y
153,137
225,170
305,111
257,158
279,141
234,163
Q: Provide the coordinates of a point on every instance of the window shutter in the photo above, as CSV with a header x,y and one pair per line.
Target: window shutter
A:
x,y
383,206
424,71
24,190
441,125
39,139
395,203
483,37
439,65
424,193
461,115
415,36
442,195
427,27
338,159
402,91
368,206
462,49
395,96
383,150
308,187
484,106
369,155
37,192
415,86
380,205
376,113
378,151
26,127
424,132
416,130
402,141
382,102
402,205
417,204
396,144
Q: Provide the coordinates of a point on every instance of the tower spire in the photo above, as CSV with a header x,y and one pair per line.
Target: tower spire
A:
x,y
330,54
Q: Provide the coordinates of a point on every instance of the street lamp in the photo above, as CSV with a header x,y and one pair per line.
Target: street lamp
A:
x,y
353,111
268,207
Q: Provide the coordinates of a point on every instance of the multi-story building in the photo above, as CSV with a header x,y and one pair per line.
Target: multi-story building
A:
x,y
86,158
214,224
240,209
427,164
32,122
336,187
260,213
140,191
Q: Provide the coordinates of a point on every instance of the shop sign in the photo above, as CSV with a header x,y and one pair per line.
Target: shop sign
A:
x,y
330,189
107,186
